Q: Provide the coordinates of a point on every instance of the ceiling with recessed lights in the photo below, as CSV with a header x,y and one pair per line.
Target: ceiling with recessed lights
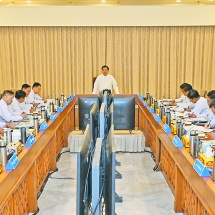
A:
x,y
102,2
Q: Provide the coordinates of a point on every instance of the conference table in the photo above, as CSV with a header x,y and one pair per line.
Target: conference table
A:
x,y
194,195
19,188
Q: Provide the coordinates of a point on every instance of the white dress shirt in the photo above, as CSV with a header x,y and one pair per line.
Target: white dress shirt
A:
x,y
201,109
2,124
211,119
212,122
6,113
210,115
184,102
35,98
28,100
105,82
28,104
18,108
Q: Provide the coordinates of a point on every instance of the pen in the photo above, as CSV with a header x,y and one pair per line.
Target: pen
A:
x,y
209,124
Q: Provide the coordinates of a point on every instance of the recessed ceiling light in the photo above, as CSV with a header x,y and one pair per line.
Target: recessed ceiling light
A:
x,y
103,0
28,1
178,1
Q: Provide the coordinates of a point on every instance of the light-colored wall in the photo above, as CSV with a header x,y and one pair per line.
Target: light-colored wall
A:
x,y
197,15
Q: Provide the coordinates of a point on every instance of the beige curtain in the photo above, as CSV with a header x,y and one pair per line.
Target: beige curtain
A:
x,y
65,59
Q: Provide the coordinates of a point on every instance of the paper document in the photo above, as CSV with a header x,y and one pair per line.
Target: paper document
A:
x,y
198,128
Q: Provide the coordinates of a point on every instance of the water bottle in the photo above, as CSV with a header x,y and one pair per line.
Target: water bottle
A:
x,y
179,130
62,97
192,139
196,147
151,100
57,102
36,123
43,113
214,169
155,105
168,117
161,107
8,135
23,135
3,153
162,111
147,96
51,107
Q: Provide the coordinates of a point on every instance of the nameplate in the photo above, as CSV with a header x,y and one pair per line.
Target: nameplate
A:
x,y
166,128
53,116
60,109
201,169
151,110
157,118
12,163
30,141
177,142
145,104
65,103
44,126
140,97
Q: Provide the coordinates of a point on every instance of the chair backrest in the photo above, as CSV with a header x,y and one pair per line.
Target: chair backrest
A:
x,y
203,92
94,79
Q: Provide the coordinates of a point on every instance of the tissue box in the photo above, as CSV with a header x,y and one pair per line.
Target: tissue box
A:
x,y
187,149
158,111
208,162
14,147
186,141
1,168
164,119
173,128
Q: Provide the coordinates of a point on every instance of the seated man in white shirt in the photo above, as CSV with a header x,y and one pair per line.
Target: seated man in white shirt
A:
x,y
6,113
18,106
184,101
210,98
211,123
27,89
34,94
28,103
105,81
201,109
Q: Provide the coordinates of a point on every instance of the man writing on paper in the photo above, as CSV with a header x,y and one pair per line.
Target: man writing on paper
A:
x,y
211,123
18,105
183,101
6,113
201,109
34,94
105,82
28,103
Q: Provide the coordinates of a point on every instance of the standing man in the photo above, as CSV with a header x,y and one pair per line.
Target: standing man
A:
x,y
105,82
